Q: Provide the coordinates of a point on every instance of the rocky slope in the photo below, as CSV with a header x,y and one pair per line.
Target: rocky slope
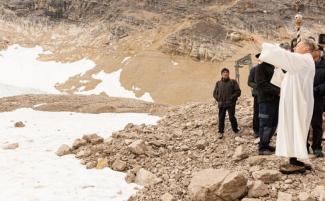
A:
x,y
167,157
161,37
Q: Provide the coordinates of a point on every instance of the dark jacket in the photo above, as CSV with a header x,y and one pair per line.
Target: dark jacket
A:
x,y
319,80
251,81
266,91
226,92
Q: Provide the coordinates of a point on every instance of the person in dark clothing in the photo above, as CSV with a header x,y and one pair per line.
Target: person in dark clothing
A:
x,y
252,83
319,103
268,99
226,93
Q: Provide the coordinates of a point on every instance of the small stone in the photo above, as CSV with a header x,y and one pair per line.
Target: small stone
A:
x,y
255,160
93,139
303,196
201,144
63,150
79,143
19,124
267,176
138,147
91,164
102,163
11,146
284,196
288,181
250,199
119,165
322,196
167,197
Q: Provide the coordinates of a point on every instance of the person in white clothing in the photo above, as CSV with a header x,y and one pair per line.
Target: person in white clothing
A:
x,y
296,100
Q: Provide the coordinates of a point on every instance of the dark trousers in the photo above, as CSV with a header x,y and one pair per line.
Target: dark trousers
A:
x,y
316,124
255,116
222,115
268,115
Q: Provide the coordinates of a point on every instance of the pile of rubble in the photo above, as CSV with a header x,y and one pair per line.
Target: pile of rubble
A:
x,y
181,158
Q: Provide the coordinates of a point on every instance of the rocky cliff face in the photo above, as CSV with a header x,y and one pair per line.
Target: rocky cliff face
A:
x,y
208,23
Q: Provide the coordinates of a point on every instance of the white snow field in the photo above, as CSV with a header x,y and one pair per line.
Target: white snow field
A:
x,y
33,172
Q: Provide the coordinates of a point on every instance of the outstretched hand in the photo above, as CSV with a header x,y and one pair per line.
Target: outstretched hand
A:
x,y
257,41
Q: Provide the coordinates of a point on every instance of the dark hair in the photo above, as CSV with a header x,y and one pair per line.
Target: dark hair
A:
x,y
224,69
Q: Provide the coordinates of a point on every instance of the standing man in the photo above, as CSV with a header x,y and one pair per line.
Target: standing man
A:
x,y
268,99
319,101
252,83
226,93
296,102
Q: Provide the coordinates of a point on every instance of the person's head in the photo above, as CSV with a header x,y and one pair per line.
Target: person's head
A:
x,y
306,46
316,55
225,73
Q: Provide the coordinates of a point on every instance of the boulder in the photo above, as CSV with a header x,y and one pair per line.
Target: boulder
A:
x,y
258,189
240,153
167,197
63,150
145,178
267,176
119,165
284,196
11,146
303,196
138,147
217,184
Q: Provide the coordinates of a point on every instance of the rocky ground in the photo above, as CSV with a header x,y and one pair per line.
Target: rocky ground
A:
x,y
181,158
79,103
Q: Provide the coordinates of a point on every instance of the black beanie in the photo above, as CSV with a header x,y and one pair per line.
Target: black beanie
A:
x,y
224,69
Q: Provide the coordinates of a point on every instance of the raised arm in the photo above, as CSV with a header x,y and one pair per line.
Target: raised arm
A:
x,y
280,58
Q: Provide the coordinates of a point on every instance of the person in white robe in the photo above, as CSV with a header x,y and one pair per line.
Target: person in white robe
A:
x,y
296,97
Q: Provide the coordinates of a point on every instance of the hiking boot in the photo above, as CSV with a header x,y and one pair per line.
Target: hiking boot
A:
x,y
221,135
237,130
319,153
271,148
265,153
292,169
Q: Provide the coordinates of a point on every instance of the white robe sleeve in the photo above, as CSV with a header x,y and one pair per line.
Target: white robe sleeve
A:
x,y
280,58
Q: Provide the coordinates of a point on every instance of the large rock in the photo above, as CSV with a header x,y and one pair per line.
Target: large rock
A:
x,y
284,196
267,176
258,189
11,146
240,153
255,160
63,150
214,185
146,178
138,147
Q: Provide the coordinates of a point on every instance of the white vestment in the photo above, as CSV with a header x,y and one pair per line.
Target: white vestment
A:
x,y
296,99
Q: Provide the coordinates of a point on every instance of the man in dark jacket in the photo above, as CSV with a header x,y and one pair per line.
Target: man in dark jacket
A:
x,y
252,83
319,94
268,99
226,93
